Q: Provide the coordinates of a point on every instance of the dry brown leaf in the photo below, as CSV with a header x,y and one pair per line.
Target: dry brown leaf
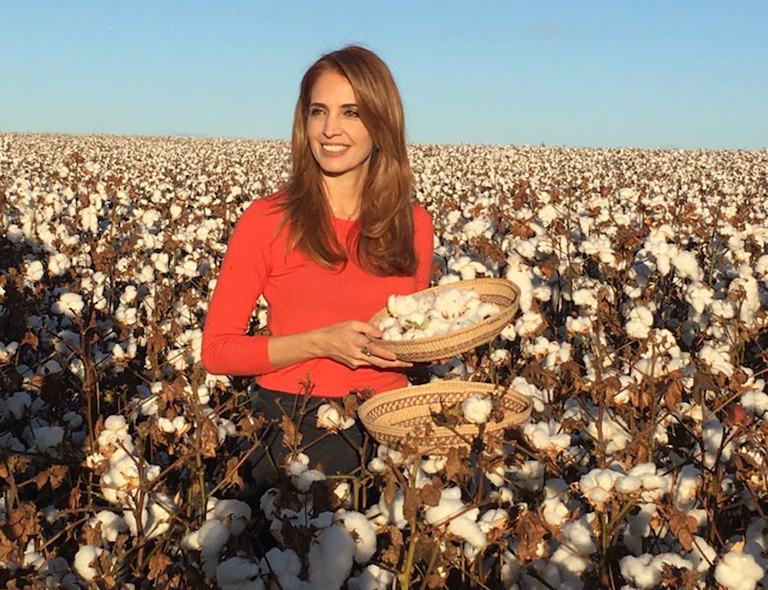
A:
x,y
158,565
291,435
209,438
92,534
530,532
31,339
411,503
683,527
430,495
455,466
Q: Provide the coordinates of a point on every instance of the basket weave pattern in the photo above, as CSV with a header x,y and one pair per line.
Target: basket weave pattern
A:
x,y
404,416
502,292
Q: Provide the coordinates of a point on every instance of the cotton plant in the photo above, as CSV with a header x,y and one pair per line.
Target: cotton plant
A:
x,y
583,234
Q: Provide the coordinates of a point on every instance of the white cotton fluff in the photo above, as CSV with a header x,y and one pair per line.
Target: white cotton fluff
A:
x,y
329,418
15,406
83,558
306,478
374,578
237,573
529,324
461,522
755,402
59,264
331,558
477,408
111,524
209,538
738,571
233,513
69,305
597,486
35,271
687,266
546,436
639,322
712,433
47,437
645,571
363,533
394,512
286,566
554,511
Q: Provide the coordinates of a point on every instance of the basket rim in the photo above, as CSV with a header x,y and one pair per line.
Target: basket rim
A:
x,y
402,432
466,331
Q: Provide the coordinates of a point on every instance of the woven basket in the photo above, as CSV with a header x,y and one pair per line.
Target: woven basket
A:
x,y
502,292
403,417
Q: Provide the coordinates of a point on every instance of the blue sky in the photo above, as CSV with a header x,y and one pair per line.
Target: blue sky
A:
x,y
598,73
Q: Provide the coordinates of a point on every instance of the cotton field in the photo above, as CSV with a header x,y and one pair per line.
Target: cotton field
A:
x,y
642,340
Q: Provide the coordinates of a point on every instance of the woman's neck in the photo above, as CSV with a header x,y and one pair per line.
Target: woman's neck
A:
x,y
344,195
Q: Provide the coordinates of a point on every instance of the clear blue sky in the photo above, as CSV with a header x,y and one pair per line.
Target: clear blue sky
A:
x,y
600,73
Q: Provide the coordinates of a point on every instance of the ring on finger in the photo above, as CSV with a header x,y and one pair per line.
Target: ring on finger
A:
x,y
366,351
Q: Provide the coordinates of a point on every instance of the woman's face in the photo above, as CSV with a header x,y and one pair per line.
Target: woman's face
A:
x,y
337,137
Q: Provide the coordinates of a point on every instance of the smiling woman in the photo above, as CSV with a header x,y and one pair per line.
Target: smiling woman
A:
x,y
326,251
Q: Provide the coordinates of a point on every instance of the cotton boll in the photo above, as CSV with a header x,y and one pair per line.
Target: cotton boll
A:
x,y
234,513
363,533
237,573
477,408
394,512
210,538
83,559
738,571
375,578
69,305
639,323
329,417
306,478
34,271
330,559
286,566
111,525
687,266
640,571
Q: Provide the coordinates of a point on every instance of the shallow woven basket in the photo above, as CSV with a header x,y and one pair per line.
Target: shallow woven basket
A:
x,y
502,292
403,417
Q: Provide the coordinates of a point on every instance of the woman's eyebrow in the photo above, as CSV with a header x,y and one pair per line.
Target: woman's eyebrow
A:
x,y
344,106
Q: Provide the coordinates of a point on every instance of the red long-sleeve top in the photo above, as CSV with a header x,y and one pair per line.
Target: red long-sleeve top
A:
x,y
302,296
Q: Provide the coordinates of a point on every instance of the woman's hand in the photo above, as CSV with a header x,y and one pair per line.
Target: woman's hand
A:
x,y
350,343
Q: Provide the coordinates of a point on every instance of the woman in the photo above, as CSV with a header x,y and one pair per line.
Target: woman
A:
x,y
326,252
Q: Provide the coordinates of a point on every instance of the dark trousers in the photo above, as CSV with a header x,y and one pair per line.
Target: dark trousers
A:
x,y
337,453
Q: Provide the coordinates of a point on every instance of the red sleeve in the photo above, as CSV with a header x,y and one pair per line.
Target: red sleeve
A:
x,y
424,242
227,350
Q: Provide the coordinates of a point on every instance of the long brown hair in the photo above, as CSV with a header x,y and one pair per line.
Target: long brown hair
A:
x,y
383,243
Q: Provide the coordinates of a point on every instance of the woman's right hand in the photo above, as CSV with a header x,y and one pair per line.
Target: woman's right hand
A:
x,y
347,343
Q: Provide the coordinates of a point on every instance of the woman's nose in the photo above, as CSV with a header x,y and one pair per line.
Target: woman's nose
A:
x,y
331,126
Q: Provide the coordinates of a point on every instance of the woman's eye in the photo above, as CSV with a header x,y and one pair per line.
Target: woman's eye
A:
x,y
352,113
315,111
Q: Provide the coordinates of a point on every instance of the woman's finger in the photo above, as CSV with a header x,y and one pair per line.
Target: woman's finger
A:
x,y
381,352
368,329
